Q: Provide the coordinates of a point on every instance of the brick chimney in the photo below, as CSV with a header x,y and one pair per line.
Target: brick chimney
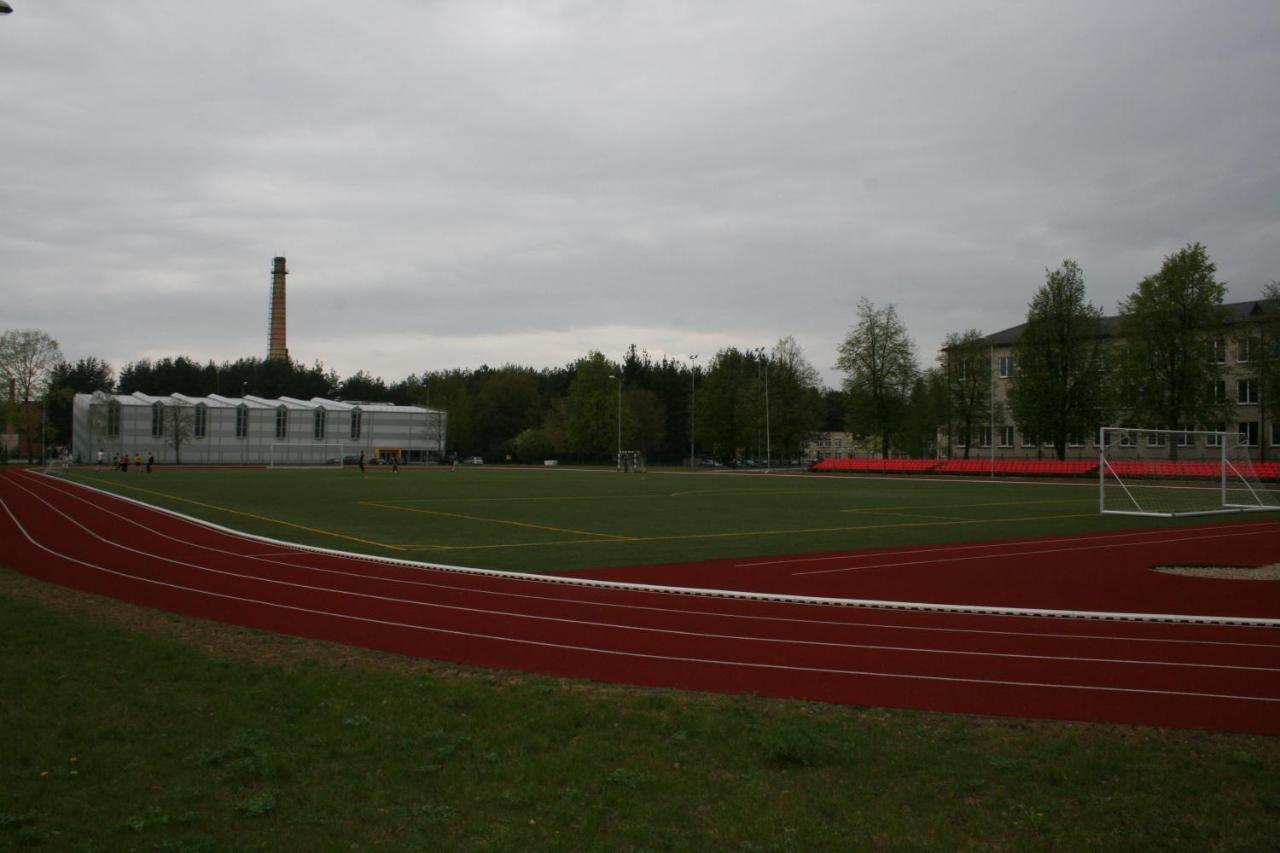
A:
x,y
276,321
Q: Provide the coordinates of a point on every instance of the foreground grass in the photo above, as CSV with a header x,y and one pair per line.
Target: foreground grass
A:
x,y
129,729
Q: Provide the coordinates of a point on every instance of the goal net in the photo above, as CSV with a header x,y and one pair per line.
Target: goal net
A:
x,y
286,455
1169,473
631,461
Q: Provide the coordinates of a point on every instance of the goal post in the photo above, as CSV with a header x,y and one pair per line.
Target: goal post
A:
x,y
293,455
1171,473
630,461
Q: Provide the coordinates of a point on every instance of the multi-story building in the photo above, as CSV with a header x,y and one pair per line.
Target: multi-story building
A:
x,y
252,430
1236,351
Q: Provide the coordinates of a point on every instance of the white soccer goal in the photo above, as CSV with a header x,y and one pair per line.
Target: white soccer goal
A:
x,y
631,461
290,455
1168,473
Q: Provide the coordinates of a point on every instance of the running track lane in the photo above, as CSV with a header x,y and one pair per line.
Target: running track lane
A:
x,y
1201,675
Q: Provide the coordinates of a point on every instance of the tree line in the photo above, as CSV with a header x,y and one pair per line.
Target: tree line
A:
x,y
1158,367
1161,364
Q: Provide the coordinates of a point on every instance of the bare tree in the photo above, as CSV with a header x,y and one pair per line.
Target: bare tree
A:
x,y
880,361
27,357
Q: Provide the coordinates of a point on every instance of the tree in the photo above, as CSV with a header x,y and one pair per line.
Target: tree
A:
x,y
730,403
179,421
27,359
966,366
795,398
1057,391
927,411
1170,324
591,411
880,361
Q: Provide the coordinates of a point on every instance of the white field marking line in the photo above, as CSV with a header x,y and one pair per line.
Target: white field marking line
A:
x,y
738,595
642,655
516,615
1018,543
648,608
1039,552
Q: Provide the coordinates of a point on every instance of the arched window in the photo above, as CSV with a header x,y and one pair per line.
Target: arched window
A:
x,y
200,426
318,423
242,421
157,419
282,422
355,423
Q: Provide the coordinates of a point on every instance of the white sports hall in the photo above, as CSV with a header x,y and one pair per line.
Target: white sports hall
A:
x,y
217,430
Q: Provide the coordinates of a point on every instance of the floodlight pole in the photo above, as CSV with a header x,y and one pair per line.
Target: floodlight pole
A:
x,y
768,442
693,390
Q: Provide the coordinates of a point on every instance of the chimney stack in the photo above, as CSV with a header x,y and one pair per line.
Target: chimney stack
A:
x,y
276,322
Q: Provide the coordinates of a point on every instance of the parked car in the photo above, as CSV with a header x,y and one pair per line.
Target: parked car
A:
x,y
473,460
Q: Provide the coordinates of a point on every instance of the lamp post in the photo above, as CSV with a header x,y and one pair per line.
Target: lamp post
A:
x,y
693,389
618,459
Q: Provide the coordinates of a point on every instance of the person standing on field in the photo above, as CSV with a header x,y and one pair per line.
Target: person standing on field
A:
x,y
361,461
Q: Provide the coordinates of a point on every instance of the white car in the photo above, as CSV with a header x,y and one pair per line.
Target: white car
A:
x,y
473,460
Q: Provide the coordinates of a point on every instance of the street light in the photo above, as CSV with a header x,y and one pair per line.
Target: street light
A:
x,y
619,459
693,373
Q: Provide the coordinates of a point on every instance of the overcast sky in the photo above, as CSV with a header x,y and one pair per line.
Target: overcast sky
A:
x,y
464,183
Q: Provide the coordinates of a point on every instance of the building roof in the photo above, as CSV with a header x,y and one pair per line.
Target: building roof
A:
x,y
217,401
1237,312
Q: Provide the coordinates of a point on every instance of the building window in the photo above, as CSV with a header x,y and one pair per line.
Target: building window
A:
x,y
355,423
1248,433
1126,439
1220,391
318,424
1075,439
1214,439
157,420
1185,438
1246,392
242,421
1155,439
1244,350
986,436
1006,436
1275,434
1219,351
113,418
282,422
1006,366
1029,440
200,426
963,369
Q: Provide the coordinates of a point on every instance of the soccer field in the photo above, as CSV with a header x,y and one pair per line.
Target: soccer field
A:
x,y
540,520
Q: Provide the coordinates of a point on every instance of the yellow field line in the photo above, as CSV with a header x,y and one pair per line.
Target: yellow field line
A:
x,y
265,518
745,533
485,520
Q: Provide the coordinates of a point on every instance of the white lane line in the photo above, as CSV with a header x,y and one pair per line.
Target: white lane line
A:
x,y
643,655
1040,552
928,549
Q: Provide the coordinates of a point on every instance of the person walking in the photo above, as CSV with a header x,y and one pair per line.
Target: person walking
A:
x,y
361,461
137,461
100,454
124,463
151,460
395,464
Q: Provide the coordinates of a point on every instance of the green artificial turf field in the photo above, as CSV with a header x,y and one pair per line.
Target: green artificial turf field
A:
x,y
533,519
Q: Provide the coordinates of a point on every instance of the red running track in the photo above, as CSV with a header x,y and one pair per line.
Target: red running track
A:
x,y
1202,674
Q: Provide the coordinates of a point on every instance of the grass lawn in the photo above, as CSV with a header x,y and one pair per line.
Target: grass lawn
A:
x,y
540,520
132,729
